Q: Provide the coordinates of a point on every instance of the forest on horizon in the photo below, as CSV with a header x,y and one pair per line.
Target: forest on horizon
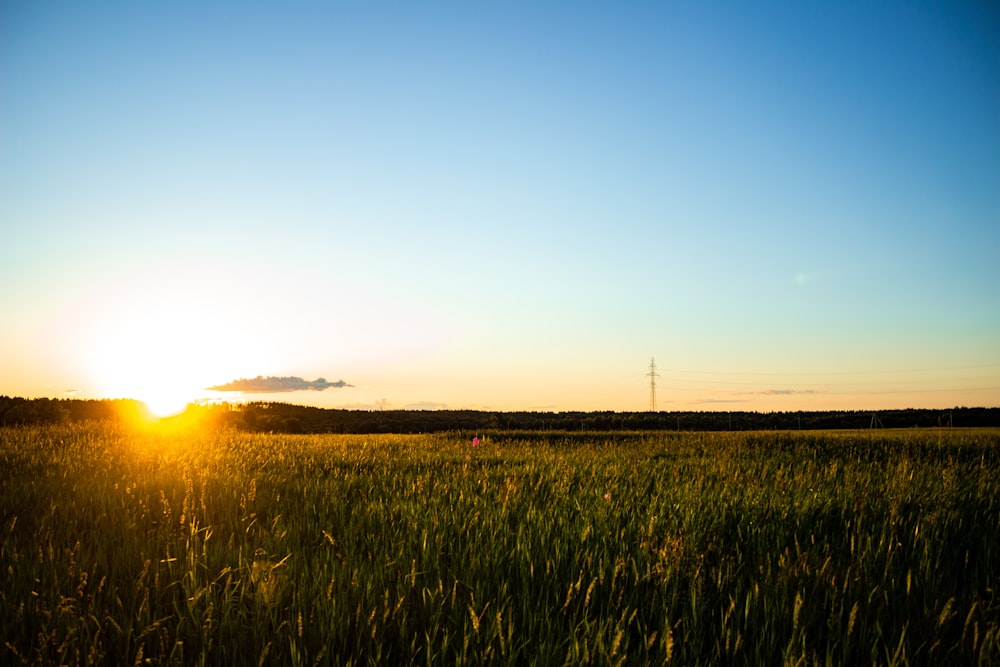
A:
x,y
271,417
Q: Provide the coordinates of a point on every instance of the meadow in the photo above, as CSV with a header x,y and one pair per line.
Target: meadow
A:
x,y
129,545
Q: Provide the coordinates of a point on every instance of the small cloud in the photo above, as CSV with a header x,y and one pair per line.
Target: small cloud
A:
x,y
275,385
72,391
785,392
380,405
719,400
426,405
362,407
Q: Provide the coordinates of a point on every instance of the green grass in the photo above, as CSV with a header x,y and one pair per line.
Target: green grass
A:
x,y
122,546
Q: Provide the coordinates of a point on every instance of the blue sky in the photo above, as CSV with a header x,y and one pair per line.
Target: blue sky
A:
x,y
503,206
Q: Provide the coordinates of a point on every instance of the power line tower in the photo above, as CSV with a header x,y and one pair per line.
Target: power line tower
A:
x,y
652,375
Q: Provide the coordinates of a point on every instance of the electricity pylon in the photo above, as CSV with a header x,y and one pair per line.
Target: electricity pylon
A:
x,y
652,375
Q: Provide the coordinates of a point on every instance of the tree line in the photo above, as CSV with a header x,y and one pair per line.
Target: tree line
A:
x,y
271,417
28,411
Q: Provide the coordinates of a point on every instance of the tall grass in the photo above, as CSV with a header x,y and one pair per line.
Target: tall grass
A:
x,y
124,546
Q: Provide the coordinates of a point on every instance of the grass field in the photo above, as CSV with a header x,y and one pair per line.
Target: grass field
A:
x,y
126,546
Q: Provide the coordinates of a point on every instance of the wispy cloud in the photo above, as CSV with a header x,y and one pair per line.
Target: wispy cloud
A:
x,y
426,405
275,385
785,392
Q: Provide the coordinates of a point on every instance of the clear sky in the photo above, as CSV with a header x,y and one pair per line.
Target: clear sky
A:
x,y
507,206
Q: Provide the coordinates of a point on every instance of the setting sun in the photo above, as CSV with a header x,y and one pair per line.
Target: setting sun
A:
x,y
164,359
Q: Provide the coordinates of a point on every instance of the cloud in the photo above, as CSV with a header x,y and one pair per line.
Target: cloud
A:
x,y
785,392
426,405
275,385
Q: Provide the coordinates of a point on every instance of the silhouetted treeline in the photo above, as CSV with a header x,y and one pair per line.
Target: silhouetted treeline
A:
x,y
25,411
273,417
287,418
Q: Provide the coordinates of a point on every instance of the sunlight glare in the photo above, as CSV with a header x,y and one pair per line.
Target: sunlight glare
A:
x,y
164,359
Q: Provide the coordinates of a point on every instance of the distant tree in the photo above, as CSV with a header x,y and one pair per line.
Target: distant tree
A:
x,y
37,411
250,418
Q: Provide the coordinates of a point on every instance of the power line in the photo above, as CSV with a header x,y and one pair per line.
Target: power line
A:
x,y
930,369
652,374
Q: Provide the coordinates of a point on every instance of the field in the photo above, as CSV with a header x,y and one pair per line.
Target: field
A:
x,y
124,545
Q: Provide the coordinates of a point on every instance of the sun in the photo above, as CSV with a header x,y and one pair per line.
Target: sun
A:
x,y
162,402
163,358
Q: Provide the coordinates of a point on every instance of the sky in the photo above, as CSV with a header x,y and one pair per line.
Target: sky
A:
x,y
502,206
